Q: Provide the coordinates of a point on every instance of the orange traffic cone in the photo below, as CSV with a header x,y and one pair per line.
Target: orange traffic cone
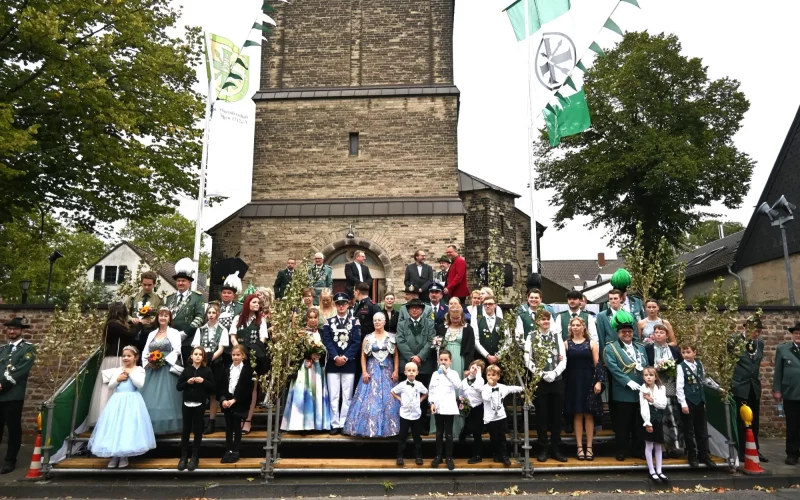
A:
x,y
35,471
751,463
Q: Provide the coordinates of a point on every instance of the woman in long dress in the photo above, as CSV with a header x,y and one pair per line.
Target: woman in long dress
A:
x,y
374,412
161,396
250,330
458,338
584,380
307,406
116,335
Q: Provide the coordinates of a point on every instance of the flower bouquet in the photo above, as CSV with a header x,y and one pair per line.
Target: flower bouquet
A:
x,y
436,343
147,311
314,346
463,406
666,367
156,359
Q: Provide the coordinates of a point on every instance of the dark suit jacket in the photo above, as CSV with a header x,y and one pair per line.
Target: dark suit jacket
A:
x,y
282,282
421,283
650,349
243,393
391,324
364,311
439,313
351,275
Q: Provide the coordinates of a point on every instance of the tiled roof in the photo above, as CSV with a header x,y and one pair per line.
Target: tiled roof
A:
x,y
571,273
467,182
716,255
166,269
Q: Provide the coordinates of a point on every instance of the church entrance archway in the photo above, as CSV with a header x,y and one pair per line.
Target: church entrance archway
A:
x,y
342,256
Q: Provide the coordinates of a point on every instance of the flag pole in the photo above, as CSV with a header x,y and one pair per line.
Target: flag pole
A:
x,y
534,236
201,191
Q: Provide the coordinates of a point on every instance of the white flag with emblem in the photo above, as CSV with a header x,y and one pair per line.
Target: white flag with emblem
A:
x,y
559,32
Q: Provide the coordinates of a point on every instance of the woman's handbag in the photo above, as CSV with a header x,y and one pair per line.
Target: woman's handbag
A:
x,y
173,359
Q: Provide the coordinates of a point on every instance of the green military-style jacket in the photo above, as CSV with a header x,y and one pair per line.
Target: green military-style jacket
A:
x,y
606,333
787,371
134,303
417,342
746,374
189,316
622,370
319,279
15,368
564,317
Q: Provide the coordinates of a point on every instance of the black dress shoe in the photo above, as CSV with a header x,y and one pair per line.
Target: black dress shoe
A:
x,y
400,461
506,461
210,428
418,461
788,461
559,456
762,458
234,457
708,462
226,458
663,477
450,464
9,466
620,457
497,460
693,463
336,430
542,456
475,460
437,461
655,478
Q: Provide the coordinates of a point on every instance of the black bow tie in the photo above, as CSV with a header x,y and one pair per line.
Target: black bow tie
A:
x,y
470,381
495,389
410,383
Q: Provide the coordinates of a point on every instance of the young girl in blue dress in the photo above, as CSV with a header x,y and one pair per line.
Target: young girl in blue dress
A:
x,y
124,429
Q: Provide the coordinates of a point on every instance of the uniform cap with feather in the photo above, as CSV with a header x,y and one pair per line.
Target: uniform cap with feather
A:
x,y
184,268
233,283
622,319
621,279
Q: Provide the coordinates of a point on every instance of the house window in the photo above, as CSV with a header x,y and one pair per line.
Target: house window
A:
x,y
111,275
121,273
353,143
98,273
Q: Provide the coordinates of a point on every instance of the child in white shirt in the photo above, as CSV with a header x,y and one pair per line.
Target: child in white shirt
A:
x,y
410,393
443,396
494,414
471,388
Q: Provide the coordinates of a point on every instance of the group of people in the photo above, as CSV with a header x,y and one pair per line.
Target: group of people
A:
x,y
430,366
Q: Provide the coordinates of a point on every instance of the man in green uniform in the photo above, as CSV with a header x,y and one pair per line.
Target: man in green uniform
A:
x,y
414,338
320,276
561,320
621,280
16,360
526,319
746,384
188,312
786,387
146,296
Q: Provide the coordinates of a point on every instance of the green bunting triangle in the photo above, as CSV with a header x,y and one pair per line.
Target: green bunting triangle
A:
x,y
571,83
269,9
597,49
581,66
611,25
265,29
561,99
241,63
234,76
550,108
228,84
250,43
632,2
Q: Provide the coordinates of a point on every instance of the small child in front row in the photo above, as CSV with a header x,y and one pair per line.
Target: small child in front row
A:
x,y
471,388
494,414
410,393
124,428
652,401
235,400
691,377
443,396
197,384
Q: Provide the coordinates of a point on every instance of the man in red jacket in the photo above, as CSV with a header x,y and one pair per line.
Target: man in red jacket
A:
x,y
457,276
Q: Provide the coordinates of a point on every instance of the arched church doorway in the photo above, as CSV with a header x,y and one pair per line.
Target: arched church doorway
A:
x,y
342,256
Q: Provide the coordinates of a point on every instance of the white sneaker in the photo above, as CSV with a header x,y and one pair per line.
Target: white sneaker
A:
x,y
123,462
113,463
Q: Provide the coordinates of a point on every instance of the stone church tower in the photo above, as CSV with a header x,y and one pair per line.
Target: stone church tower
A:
x,y
355,141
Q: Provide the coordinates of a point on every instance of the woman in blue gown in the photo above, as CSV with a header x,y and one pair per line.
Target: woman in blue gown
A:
x,y
160,393
123,429
374,412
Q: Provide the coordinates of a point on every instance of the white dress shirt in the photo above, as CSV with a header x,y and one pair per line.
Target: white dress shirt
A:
x,y
493,408
409,398
443,392
235,373
360,274
473,392
659,395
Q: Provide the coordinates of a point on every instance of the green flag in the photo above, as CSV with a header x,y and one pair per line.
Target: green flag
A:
x,y
539,12
570,115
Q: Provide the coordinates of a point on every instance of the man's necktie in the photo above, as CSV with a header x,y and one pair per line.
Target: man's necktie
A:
x,y
145,298
180,299
574,315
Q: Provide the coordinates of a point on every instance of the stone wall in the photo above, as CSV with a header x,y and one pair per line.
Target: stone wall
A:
x,y
407,148
489,210
319,43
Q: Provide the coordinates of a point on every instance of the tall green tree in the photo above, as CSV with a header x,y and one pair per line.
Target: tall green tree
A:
x,y
660,149
170,237
25,245
97,114
707,231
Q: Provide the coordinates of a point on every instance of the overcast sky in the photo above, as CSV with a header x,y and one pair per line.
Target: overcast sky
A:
x,y
755,44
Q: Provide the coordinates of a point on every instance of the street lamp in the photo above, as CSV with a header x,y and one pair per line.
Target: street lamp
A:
x,y
53,258
24,285
779,214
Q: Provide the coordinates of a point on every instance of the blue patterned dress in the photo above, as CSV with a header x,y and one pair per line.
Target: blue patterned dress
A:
x,y
307,406
161,396
374,412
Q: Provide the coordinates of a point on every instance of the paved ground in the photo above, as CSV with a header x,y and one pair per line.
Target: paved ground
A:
x,y
600,486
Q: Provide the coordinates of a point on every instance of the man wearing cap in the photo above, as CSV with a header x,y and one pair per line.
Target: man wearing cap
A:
x,y
17,358
411,293
440,276
357,272
188,312
364,309
320,276
746,383
786,387
438,310
625,361
414,337
457,276
284,278
419,275
341,335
